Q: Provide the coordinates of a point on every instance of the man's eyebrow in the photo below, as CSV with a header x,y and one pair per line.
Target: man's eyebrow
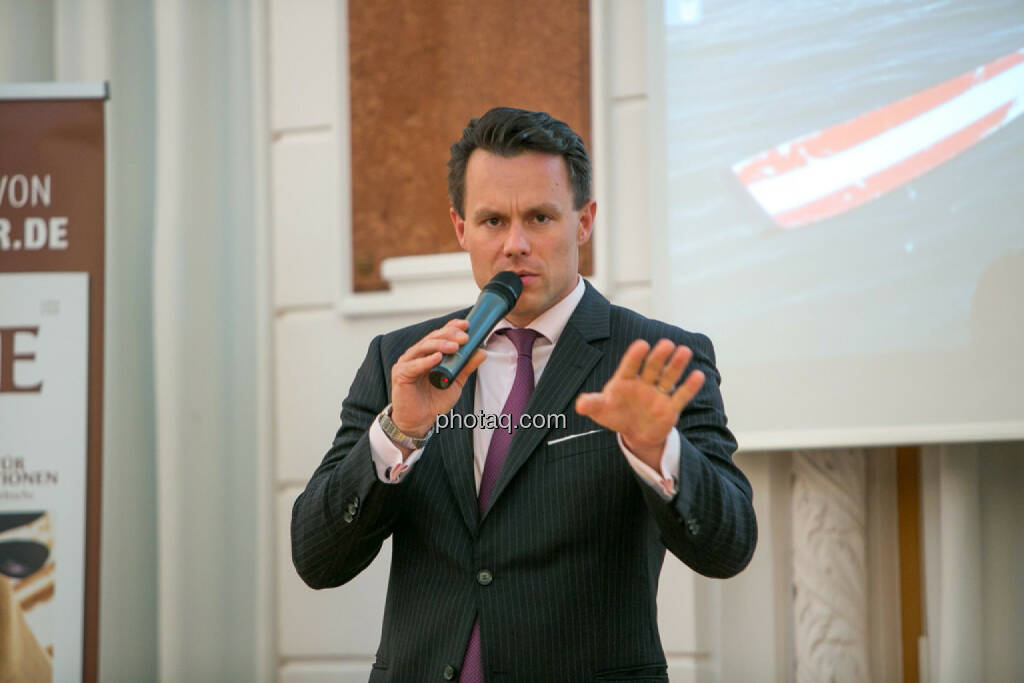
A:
x,y
484,212
545,209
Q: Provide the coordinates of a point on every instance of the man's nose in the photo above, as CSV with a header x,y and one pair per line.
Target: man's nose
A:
x,y
516,241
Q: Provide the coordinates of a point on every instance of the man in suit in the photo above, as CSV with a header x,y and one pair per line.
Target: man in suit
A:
x,y
530,554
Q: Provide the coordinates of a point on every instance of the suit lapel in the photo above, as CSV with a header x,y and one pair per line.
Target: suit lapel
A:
x,y
456,447
571,362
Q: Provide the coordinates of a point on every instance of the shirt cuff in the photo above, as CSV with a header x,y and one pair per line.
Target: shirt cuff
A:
x,y
387,457
665,482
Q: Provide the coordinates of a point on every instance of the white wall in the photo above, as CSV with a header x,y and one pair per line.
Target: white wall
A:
x,y
128,580
26,40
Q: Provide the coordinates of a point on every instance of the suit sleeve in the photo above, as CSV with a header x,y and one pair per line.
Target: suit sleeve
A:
x,y
709,524
344,514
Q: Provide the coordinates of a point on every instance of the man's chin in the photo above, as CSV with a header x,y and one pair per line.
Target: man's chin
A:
x,y
524,313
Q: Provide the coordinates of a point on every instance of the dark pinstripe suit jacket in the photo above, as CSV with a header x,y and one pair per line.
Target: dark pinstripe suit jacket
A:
x,y
563,567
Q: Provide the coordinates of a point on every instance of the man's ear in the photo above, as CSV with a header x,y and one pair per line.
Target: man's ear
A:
x,y
586,222
460,226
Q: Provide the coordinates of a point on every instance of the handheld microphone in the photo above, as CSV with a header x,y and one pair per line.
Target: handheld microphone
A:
x,y
496,299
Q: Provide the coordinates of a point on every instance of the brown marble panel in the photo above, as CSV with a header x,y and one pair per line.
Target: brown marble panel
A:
x,y
419,71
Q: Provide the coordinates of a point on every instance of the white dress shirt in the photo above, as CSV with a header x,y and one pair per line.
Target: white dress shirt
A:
x,y
494,382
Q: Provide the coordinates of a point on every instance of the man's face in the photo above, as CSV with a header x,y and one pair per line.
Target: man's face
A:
x,y
519,217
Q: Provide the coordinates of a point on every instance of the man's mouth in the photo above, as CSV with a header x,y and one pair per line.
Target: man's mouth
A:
x,y
526,276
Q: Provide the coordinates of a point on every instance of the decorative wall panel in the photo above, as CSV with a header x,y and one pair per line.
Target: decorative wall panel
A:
x,y
419,71
830,574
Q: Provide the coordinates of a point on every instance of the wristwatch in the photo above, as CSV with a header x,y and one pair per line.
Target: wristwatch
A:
x,y
392,431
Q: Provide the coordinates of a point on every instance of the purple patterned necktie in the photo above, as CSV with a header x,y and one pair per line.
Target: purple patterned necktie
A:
x,y
522,387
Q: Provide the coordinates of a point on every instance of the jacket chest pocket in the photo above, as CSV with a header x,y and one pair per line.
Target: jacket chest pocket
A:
x,y
587,442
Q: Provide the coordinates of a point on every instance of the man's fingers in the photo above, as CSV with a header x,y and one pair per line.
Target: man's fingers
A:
x,y
655,361
426,347
453,331
688,389
442,345
415,368
673,371
411,370
632,359
589,404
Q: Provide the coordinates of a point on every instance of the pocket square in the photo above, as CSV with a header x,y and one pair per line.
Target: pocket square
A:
x,y
573,436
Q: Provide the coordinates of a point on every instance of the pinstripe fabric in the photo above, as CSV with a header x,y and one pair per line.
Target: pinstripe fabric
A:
x,y
515,404
573,540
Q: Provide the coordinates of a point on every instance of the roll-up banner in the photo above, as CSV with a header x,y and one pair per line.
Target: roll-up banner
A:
x,y
51,373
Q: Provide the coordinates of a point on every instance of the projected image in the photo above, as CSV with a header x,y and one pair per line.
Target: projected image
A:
x,y
835,170
844,177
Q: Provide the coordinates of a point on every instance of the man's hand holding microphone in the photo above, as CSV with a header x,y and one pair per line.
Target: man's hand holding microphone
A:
x,y
423,377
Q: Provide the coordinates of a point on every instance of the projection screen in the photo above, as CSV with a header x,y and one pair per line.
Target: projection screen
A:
x,y
842,189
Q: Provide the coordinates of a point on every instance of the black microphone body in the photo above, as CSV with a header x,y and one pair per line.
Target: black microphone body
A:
x,y
496,299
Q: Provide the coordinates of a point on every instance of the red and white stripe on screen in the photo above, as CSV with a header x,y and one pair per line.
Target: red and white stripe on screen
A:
x,y
829,172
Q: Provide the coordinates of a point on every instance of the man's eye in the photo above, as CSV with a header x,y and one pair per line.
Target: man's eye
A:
x,y
493,221
542,218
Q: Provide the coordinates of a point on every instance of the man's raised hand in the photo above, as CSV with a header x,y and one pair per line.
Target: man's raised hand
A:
x,y
642,401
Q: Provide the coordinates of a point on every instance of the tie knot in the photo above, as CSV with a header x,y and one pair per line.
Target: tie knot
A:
x,y
522,337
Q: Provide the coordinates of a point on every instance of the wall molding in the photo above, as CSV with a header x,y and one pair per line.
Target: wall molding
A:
x,y
435,283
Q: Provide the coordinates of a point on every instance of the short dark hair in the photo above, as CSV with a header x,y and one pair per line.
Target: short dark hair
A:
x,y
507,132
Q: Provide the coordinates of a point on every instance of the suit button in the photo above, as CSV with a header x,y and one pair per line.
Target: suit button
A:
x,y
484,577
449,672
348,517
693,526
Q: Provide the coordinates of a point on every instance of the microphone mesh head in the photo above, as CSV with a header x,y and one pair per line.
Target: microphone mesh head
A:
x,y
508,284
509,281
